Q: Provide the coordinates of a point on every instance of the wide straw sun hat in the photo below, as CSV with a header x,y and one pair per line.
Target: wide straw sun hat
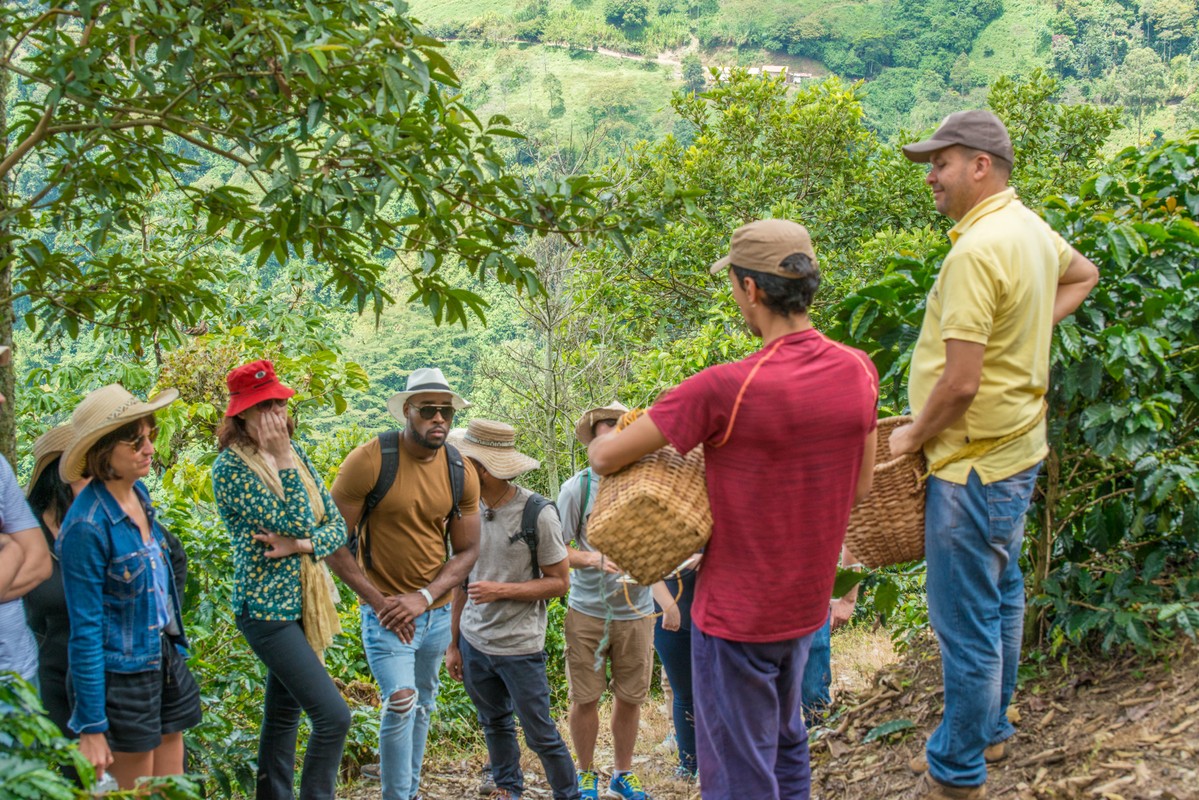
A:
x,y
49,446
585,427
493,444
102,412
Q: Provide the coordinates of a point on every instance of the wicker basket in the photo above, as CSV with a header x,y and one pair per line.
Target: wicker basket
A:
x,y
650,517
888,527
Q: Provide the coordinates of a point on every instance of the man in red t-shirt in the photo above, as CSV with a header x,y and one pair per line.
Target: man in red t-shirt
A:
x,y
789,441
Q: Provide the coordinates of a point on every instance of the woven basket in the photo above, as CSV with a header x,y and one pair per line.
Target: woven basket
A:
x,y
888,527
651,516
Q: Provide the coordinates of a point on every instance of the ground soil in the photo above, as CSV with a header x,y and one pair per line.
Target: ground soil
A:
x,y
1115,726
1109,727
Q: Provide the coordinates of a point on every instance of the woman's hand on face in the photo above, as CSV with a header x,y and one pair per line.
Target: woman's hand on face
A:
x,y
269,430
94,747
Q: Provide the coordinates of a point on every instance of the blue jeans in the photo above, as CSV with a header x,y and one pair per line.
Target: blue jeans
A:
x,y
404,726
674,648
749,728
972,539
500,686
818,674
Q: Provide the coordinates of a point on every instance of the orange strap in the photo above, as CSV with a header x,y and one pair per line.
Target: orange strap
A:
x,y
741,392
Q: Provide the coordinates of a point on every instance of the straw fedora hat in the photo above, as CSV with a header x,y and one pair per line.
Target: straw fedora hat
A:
x,y
493,444
584,428
425,379
101,412
49,446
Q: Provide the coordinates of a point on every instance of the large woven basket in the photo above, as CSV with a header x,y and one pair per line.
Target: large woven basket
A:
x,y
651,516
888,527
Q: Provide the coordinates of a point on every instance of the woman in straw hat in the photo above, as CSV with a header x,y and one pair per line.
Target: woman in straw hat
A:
x,y
46,605
282,522
134,695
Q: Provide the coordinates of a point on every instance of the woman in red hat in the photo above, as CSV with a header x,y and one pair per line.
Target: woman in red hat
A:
x,y
283,523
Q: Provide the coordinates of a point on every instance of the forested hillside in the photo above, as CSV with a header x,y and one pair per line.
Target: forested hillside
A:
x,y
527,194
920,59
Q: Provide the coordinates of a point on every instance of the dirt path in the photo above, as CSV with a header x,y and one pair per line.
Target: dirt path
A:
x,y
1110,728
1100,728
670,58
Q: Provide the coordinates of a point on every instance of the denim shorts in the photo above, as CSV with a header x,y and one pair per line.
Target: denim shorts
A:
x,y
142,707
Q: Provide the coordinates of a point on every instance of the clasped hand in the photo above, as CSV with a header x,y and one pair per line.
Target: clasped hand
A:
x,y
398,612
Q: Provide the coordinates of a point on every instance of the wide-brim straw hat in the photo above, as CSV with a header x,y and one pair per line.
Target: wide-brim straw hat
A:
x,y
102,412
49,446
493,444
421,381
585,427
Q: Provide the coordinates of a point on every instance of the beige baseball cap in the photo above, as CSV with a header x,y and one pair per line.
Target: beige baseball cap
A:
x,y
978,130
762,246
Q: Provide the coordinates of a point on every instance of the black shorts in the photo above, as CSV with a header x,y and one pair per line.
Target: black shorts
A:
x,y
144,706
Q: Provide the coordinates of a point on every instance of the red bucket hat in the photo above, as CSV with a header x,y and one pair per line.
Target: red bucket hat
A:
x,y
250,384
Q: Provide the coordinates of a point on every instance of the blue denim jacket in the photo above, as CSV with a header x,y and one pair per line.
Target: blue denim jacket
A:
x,y
111,599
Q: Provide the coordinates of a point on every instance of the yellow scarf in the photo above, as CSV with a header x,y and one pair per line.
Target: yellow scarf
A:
x,y
319,615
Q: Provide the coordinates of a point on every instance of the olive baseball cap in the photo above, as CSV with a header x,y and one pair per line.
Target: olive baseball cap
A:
x,y
978,130
762,246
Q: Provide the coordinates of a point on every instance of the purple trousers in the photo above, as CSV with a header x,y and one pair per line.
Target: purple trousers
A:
x,y
751,741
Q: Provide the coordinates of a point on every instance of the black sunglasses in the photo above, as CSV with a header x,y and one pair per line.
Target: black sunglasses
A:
x,y
428,412
139,441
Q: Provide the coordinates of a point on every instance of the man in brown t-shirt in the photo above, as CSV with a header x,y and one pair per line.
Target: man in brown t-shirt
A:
x,y
405,590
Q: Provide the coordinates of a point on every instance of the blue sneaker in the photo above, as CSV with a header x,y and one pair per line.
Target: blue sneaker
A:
x,y
626,787
588,785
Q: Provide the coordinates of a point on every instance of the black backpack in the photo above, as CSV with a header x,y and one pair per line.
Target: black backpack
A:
x,y
528,527
389,467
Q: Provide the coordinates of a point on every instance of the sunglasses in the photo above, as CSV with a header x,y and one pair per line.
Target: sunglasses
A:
x,y
429,412
138,442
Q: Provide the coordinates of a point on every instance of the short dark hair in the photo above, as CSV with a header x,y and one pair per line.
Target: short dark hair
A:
x,y
233,430
786,296
998,162
51,493
99,455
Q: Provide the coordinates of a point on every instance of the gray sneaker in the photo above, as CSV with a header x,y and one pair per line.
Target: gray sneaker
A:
x,y
487,784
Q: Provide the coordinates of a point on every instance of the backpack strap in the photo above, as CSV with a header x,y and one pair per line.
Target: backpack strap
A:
x,y
457,471
528,527
583,504
389,467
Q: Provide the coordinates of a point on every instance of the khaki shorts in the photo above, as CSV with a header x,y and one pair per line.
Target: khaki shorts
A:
x,y
629,653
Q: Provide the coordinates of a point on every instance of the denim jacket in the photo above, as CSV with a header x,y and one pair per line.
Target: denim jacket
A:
x,y
111,599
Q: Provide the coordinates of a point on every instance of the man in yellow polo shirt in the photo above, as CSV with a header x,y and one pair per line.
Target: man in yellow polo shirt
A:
x,y
979,376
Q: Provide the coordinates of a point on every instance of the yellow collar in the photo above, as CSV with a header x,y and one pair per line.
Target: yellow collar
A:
x,y
987,206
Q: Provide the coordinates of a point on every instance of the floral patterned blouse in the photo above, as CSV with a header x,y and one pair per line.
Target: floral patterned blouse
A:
x,y
269,588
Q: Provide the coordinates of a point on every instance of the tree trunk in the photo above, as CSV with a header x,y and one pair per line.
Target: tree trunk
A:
x,y
1042,551
551,414
8,438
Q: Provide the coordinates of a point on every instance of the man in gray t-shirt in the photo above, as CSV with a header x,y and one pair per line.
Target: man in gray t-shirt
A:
x,y
593,645
24,563
497,643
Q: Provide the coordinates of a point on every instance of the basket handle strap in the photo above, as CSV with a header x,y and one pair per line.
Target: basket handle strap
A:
x,y
980,447
741,392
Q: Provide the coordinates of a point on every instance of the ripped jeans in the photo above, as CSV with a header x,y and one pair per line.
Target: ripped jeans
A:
x,y
404,726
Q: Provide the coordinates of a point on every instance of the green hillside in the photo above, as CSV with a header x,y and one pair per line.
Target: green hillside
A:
x,y
921,59
555,94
